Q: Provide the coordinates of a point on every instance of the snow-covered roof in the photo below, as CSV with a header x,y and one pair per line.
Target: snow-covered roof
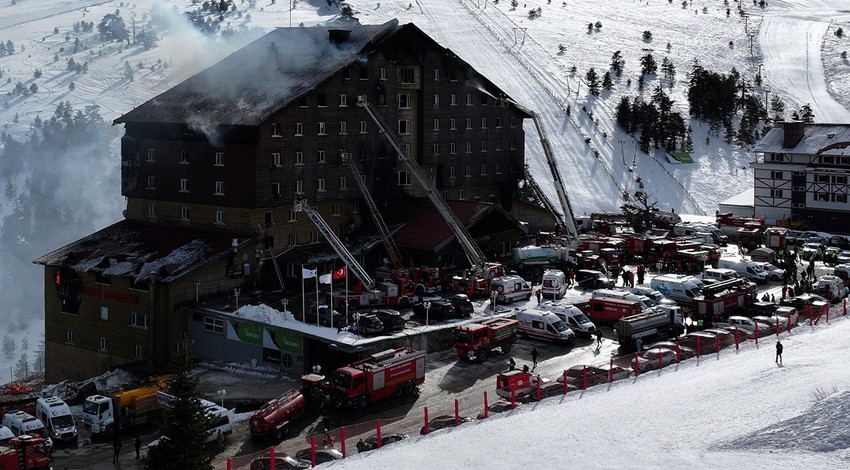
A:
x,y
831,139
746,198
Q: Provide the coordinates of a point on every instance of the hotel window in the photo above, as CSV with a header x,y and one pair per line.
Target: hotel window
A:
x,y
498,145
291,216
102,345
299,158
461,194
276,160
452,148
407,75
302,101
362,127
404,178
321,156
184,213
775,193
343,182
469,123
436,100
483,169
69,336
151,182
184,157
355,206
291,239
364,73
468,147
468,171
343,100
483,146
184,185
484,99
453,75
215,325
452,100
321,185
404,101
276,127
382,73
451,172
513,121
436,74
477,193
299,129
270,220
335,209
343,127
219,217
436,124
839,198
382,99
498,169
484,123
151,155
435,149
299,187
322,100
469,99
104,313
498,123
276,190
819,196
219,159
839,180
776,175
452,124
140,351
219,188
404,127
322,129
151,210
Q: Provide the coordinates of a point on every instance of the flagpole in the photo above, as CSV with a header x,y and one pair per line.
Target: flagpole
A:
x,y
346,297
317,301
304,297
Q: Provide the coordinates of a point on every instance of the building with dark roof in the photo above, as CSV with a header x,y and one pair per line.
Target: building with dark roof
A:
x,y
211,167
801,174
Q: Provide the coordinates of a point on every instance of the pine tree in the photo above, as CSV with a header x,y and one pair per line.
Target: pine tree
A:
x,y
806,114
184,425
22,370
639,210
648,64
592,79
9,344
688,143
607,84
617,63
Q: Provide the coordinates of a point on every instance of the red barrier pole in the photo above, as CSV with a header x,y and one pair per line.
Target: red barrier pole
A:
x,y
637,365
699,351
342,440
229,464
513,399
486,406
737,340
584,377
845,307
271,454
565,382
776,323
457,413
538,387
788,324
378,433
809,309
717,342
611,371
826,309
757,333
312,452
678,354
426,420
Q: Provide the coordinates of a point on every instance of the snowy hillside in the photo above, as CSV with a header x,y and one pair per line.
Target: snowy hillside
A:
x,y
57,55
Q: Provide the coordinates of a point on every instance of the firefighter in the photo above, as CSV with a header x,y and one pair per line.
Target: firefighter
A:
x,y
512,364
641,271
534,356
778,352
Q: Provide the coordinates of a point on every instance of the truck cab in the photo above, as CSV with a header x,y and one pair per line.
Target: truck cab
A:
x,y
57,417
25,452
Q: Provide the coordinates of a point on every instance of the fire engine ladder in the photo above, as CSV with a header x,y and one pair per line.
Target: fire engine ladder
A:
x,y
273,257
301,205
476,257
541,196
386,236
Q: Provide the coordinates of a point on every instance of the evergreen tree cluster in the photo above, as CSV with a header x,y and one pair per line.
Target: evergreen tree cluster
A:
x,y
112,28
712,96
7,48
83,26
658,124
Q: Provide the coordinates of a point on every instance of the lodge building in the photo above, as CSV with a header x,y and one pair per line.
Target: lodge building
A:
x,y
211,167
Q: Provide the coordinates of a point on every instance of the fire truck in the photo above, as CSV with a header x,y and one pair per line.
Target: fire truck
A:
x,y
477,341
665,322
25,452
750,235
722,299
729,224
775,238
382,375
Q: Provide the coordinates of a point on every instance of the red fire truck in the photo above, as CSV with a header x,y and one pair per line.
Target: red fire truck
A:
x,y
611,310
722,299
25,453
379,376
477,341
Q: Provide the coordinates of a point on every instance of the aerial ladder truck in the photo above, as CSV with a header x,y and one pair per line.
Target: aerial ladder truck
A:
x,y
371,293
418,281
476,280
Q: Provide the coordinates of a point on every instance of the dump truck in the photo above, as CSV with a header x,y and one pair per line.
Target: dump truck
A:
x,y
25,452
384,374
663,322
103,415
476,341
273,420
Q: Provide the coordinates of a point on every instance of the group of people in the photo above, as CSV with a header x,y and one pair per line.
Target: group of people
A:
x,y
117,445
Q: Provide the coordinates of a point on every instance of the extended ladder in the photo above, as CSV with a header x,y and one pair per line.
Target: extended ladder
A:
x,y
349,260
276,268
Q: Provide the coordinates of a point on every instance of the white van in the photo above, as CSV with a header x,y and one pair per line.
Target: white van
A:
x,y
645,302
653,295
554,284
510,288
831,287
752,270
21,422
571,315
677,287
57,418
6,435
712,275
545,325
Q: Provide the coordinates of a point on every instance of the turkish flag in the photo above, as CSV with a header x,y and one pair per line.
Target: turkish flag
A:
x,y
339,274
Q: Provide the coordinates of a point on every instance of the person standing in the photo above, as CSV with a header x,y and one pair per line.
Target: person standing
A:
x,y
598,338
641,271
534,356
778,352
138,444
116,449
537,294
512,364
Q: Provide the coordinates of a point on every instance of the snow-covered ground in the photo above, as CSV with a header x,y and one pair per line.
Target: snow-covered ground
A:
x,y
736,411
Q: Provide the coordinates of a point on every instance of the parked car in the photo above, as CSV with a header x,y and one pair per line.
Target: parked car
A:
x,y
844,257
707,343
369,325
445,421
438,310
591,279
463,306
499,407
810,251
371,442
653,356
327,317
761,308
802,301
281,462
793,237
746,323
391,319
840,241
322,455
788,312
684,351
727,338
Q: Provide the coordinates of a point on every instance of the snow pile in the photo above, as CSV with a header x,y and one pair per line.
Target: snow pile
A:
x,y
77,391
262,313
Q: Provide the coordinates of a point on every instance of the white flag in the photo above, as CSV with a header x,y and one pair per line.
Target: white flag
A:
x,y
308,273
325,279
